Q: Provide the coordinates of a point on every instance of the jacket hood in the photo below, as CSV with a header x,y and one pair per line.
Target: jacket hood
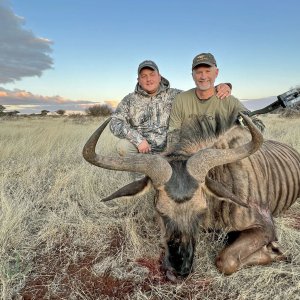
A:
x,y
164,85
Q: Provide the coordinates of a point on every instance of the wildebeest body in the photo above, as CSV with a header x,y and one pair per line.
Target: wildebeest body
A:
x,y
268,181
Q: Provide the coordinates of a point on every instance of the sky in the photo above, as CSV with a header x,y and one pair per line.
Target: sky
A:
x,y
68,54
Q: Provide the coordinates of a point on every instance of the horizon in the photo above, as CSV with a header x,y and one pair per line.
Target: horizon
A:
x,y
252,105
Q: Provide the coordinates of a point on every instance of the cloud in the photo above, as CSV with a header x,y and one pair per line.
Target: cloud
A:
x,y
26,102
22,54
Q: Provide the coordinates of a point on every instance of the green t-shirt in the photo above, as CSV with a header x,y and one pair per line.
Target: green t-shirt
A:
x,y
187,105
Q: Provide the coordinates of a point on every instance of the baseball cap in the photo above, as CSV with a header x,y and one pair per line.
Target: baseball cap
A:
x,y
204,59
147,64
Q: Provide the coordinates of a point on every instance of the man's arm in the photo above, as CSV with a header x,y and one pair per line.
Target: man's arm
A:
x,y
175,123
121,124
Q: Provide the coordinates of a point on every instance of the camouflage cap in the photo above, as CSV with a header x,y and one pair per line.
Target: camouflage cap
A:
x,y
204,59
148,64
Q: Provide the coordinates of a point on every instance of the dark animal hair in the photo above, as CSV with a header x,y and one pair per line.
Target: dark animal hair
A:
x,y
181,186
200,128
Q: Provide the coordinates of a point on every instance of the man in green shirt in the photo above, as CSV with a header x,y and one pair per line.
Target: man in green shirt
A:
x,y
201,101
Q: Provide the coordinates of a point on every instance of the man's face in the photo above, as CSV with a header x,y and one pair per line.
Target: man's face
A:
x,y
205,76
149,80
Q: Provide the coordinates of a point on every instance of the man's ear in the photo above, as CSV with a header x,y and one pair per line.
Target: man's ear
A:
x,y
193,75
217,72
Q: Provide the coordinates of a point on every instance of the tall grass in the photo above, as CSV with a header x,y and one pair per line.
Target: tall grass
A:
x,y
58,241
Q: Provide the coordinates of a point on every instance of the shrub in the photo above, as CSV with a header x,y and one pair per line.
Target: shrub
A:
x,y
12,113
44,112
98,110
2,108
290,112
61,112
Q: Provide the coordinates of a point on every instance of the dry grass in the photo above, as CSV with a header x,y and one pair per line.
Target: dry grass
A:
x,y
58,241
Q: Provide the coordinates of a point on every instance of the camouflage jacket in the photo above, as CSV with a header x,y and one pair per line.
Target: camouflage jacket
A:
x,y
140,116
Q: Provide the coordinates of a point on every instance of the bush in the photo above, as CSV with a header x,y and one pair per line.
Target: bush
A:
x,y
44,112
290,112
2,108
99,110
61,112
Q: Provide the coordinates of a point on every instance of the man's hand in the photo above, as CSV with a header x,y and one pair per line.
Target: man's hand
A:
x,y
223,90
144,147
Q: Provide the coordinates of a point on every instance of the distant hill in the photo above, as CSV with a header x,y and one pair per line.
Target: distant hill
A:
x,y
254,104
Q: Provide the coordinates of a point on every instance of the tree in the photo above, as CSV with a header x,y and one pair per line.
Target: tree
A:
x,y
44,112
98,110
2,108
12,113
61,112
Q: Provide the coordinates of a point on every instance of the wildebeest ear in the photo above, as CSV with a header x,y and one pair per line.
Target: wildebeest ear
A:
x,y
219,190
131,189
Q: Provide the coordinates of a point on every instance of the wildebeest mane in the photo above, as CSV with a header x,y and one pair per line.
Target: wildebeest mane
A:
x,y
200,128
198,131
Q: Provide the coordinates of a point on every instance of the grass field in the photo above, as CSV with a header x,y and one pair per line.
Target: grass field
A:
x,y
58,241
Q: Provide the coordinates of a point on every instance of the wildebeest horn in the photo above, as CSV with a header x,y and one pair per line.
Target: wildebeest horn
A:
x,y
131,189
201,162
155,166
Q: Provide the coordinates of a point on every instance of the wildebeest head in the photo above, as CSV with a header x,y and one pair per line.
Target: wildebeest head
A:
x,y
180,182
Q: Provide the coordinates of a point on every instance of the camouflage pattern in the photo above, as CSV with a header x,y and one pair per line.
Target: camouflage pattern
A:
x,y
204,59
140,116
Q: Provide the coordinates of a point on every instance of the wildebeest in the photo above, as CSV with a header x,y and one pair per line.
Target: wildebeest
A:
x,y
228,179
